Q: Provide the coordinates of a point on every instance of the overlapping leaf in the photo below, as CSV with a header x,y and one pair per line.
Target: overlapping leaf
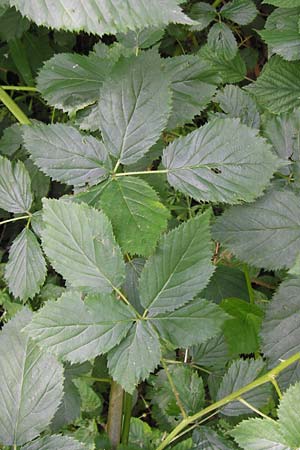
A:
x,y
31,384
66,155
239,11
25,270
223,161
15,192
80,245
221,41
134,106
54,442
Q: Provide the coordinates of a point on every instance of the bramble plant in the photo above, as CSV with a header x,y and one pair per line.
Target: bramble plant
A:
x,y
149,185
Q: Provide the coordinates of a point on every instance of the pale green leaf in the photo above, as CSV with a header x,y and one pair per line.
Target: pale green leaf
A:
x,y
278,86
180,268
259,434
137,216
78,331
55,442
102,16
223,161
288,415
134,106
70,81
90,400
281,33
136,356
66,155
141,39
191,324
80,245
239,11
25,270
31,384
15,192
239,374
221,41
265,233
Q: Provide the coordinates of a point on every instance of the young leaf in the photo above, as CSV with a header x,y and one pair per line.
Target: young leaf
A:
x,y
179,269
25,270
223,161
265,233
134,106
280,330
278,86
137,216
191,324
136,356
221,41
240,373
257,434
80,245
239,11
66,155
31,384
282,34
70,81
78,331
54,442
15,192
102,16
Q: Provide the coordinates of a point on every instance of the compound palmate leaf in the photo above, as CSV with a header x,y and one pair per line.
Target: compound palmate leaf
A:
x,y
265,233
180,268
54,442
223,161
66,155
102,16
31,384
80,245
78,331
25,271
15,191
137,215
134,106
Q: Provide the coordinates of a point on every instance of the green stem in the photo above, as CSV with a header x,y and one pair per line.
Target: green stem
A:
x,y
249,285
100,380
216,3
174,390
114,421
229,398
13,108
20,88
276,386
127,417
14,219
143,172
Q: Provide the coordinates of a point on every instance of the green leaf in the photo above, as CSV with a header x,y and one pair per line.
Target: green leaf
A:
x,y
242,331
141,39
221,41
69,408
78,331
242,12
54,442
265,233
257,434
66,155
12,24
205,438
31,384
280,330
136,356
133,269
281,33
289,418
25,270
213,354
90,400
231,71
278,86
134,106
40,183
179,269
11,140
191,324
15,192
137,216
283,3
203,14
70,81
193,84
80,245
239,374
237,103
102,16
223,161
